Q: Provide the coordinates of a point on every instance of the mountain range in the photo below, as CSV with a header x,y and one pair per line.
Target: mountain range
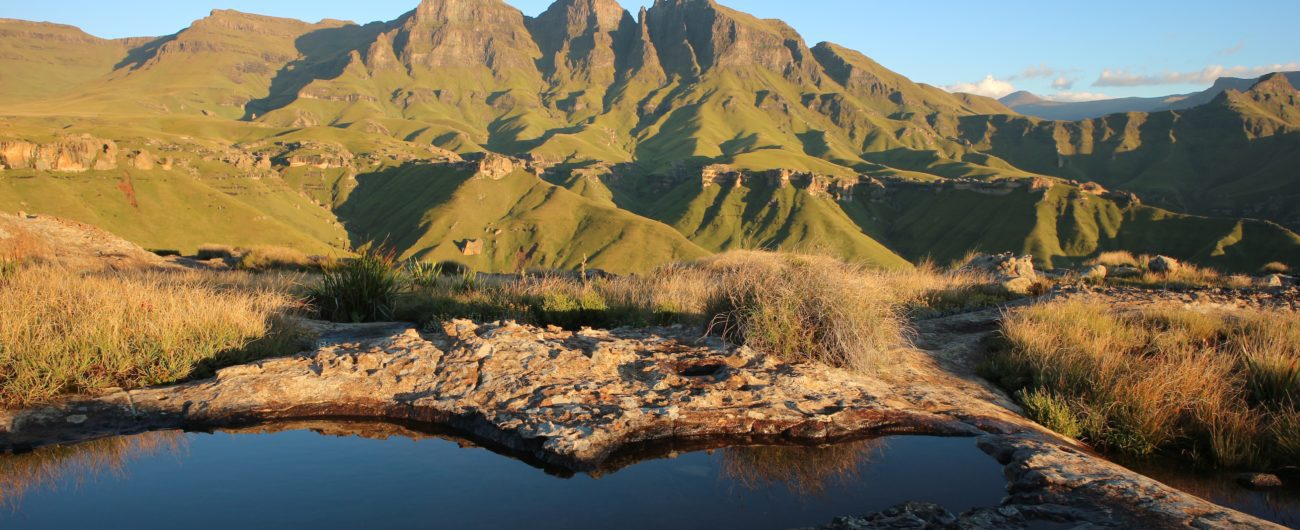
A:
x,y
465,130
1030,104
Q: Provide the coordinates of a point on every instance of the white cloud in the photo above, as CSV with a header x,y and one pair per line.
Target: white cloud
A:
x,y
1063,83
1035,72
1126,78
989,86
1074,97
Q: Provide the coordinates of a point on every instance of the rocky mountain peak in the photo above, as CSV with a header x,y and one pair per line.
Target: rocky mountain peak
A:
x,y
694,36
1276,82
466,33
579,16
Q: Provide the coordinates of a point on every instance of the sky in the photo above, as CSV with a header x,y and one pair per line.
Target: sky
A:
x,y
1062,50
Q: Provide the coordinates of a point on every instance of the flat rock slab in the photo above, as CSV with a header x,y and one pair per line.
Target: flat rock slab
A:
x,y
573,399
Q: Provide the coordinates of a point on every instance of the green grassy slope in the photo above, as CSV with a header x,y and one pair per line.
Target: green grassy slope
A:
x,y
1063,227
165,210
434,212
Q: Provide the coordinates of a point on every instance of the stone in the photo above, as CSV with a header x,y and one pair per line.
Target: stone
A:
x,y
1164,265
471,247
1004,266
1010,273
1019,286
1124,271
1094,273
1259,480
1272,281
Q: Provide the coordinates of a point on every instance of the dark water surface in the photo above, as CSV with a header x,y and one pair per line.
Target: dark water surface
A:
x,y
1280,505
299,478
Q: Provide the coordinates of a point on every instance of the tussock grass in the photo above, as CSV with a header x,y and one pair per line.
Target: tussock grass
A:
x,y
799,307
1275,267
276,258
1216,386
64,332
209,251
1116,258
362,289
1185,276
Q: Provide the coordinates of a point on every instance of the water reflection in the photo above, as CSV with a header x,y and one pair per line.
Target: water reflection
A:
x,y
805,470
1280,505
76,465
345,475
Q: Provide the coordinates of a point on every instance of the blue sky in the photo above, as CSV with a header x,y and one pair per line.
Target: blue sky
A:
x,y
1070,50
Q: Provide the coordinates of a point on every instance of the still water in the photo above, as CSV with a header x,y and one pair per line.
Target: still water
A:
x,y
301,478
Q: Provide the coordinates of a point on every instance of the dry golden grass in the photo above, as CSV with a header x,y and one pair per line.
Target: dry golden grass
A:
x,y
1116,258
276,258
1215,384
209,251
798,307
1185,276
64,332
1275,267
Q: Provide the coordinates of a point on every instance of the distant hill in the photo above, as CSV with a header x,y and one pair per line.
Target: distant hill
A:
x,y
466,130
1030,104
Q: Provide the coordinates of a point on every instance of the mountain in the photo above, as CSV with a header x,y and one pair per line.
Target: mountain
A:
x,y
1238,155
465,130
1032,105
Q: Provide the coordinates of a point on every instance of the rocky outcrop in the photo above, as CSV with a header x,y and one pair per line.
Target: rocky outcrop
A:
x,y
696,36
466,34
69,155
1163,265
572,399
1014,274
493,166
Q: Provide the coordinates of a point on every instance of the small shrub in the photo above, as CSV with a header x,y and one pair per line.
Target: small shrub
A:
x,y
806,308
275,258
1284,436
1115,258
1052,411
422,274
212,251
8,269
362,289
1275,267
1272,377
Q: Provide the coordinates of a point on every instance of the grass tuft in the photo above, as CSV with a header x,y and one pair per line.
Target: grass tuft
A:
x,y
1275,267
361,289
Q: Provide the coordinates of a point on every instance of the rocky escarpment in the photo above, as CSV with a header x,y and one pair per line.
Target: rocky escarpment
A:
x,y
70,155
574,399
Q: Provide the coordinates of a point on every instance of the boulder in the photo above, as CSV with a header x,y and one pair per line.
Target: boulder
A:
x,y
1013,274
1019,286
1094,273
1259,480
1124,271
1004,266
1272,281
1164,265
471,247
